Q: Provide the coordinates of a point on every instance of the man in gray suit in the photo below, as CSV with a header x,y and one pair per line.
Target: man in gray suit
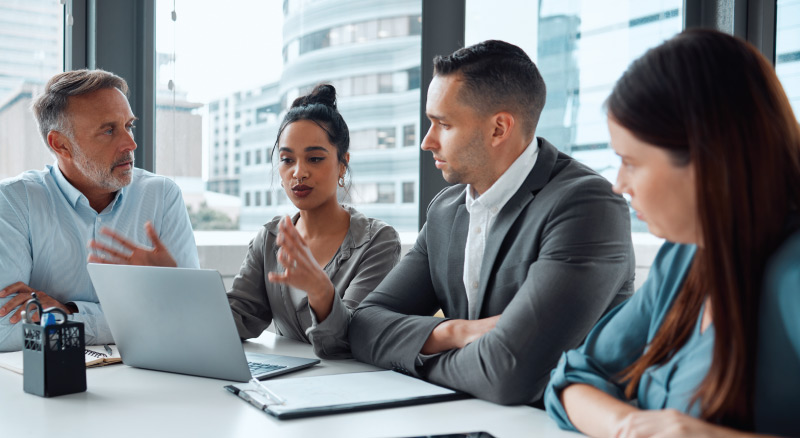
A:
x,y
523,255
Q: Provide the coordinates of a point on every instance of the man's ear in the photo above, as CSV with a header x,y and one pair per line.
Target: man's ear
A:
x,y
504,124
60,144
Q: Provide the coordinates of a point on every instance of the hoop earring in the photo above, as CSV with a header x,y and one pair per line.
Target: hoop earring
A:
x,y
341,181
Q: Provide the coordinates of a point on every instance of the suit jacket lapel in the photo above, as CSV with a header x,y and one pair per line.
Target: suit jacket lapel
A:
x,y
455,263
534,182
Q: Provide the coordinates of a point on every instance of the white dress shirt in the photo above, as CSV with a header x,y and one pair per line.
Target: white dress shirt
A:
x,y
483,210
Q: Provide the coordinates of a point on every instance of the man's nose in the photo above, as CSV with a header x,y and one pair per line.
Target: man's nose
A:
x,y
130,143
428,142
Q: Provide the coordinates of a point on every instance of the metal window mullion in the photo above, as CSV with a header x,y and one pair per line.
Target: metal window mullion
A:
x,y
442,33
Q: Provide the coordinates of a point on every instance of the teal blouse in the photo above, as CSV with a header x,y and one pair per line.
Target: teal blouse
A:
x,y
623,334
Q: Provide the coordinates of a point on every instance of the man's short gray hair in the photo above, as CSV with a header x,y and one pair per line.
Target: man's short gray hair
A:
x,y
50,108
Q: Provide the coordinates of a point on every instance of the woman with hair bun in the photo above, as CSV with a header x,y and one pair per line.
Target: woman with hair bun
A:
x,y
710,344
307,273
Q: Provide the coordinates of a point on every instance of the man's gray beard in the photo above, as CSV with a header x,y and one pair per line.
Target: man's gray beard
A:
x,y
102,177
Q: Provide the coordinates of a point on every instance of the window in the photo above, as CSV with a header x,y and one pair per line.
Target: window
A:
x,y
386,138
409,192
787,50
201,103
570,43
258,199
409,135
386,193
31,51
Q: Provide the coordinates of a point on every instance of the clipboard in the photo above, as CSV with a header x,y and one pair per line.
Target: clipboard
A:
x,y
333,394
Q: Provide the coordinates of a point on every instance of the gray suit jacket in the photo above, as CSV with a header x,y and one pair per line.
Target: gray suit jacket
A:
x,y
368,252
557,257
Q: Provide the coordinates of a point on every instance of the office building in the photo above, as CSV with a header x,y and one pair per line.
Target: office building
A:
x,y
371,54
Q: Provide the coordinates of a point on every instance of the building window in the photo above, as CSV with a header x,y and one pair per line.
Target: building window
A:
x,y
376,62
409,135
386,193
246,199
408,192
386,138
258,199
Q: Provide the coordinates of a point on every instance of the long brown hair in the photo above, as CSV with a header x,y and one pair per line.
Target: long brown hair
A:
x,y
712,100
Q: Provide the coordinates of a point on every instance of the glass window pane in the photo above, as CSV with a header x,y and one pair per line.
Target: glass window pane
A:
x,y
31,51
231,88
787,50
581,48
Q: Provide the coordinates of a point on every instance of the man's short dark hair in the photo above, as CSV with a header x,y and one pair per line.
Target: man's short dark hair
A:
x,y
498,76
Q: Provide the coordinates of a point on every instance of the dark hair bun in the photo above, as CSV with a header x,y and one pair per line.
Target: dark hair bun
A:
x,y
323,94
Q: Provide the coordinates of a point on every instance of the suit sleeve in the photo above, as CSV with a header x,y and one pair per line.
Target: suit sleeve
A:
x,y
391,325
329,337
584,260
248,296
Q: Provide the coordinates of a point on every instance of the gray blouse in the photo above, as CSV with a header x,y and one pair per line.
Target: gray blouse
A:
x,y
369,251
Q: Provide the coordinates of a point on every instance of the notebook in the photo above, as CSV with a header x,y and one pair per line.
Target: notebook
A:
x,y
95,356
179,320
322,395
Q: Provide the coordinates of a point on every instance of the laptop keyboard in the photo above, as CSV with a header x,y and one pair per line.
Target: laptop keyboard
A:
x,y
257,368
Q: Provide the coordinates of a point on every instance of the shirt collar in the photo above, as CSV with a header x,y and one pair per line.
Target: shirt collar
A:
x,y
509,182
359,233
72,194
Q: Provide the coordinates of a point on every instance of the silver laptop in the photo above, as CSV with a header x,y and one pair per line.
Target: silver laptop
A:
x,y
179,320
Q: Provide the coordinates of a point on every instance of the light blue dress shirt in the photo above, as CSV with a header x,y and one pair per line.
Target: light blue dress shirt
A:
x,y
46,224
624,333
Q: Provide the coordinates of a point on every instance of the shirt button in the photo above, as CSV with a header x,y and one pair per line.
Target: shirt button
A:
x,y
474,284
494,210
477,230
99,219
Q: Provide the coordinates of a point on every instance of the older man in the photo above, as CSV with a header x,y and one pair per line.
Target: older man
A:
x,y
50,218
523,255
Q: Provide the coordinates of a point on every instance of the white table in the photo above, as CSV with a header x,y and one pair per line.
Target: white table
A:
x,y
122,401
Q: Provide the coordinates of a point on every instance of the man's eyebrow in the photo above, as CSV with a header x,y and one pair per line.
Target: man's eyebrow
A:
x,y
112,124
435,117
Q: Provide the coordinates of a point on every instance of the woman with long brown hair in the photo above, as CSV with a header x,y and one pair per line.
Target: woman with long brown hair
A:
x,y
710,345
